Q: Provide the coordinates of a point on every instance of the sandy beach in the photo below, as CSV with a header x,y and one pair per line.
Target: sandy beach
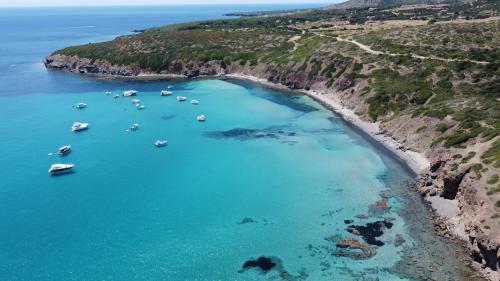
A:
x,y
416,161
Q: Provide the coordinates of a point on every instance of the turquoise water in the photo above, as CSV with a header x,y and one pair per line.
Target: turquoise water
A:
x,y
131,211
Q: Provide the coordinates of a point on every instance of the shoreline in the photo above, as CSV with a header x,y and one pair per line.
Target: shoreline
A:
x,y
415,161
444,217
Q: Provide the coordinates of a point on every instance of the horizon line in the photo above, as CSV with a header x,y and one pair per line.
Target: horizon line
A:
x,y
170,5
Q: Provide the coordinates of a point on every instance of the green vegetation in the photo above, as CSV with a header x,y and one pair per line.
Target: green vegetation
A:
x,y
421,129
492,155
493,179
469,156
441,127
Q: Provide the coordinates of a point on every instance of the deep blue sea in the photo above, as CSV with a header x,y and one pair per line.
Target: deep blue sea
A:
x,y
270,173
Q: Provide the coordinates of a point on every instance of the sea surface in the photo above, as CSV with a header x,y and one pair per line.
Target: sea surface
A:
x,y
270,173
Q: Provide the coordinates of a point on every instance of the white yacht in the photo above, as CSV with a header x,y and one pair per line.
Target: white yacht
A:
x,y
60,168
77,126
200,118
134,127
181,98
140,106
130,93
81,105
63,150
160,143
107,93
136,101
116,96
165,93
195,102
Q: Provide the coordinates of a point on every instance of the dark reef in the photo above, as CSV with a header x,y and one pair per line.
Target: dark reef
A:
x,y
371,231
263,263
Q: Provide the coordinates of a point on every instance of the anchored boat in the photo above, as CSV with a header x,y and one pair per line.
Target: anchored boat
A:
x,y
134,127
130,93
160,143
64,150
81,105
77,126
56,169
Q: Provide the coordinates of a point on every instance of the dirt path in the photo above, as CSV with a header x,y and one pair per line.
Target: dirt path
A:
x,y
296,38
375,52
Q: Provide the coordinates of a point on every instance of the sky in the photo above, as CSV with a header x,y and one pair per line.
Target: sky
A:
x,y
38,3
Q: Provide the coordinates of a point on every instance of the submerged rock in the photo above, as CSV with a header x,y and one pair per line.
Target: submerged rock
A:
x,y
386,193
380,207
266,264
168,117
399,240
247,220
263,263
371,231
249,134
241,134
353,248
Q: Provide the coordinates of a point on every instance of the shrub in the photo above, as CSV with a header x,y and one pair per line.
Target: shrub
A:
x,y
493,179
441,127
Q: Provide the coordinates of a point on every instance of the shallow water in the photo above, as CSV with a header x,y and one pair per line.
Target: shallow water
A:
x,y
130,211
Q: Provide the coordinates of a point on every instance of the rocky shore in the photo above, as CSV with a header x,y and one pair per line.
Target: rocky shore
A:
x,y
459,209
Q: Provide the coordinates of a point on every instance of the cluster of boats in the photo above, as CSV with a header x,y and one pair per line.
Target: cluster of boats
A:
x,y
80,126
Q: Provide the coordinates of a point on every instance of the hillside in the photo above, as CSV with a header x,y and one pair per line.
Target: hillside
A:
x,y
429,75
352,4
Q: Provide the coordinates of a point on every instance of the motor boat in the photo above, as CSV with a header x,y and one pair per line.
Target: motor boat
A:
x,y
160,143
181,98
107,93
77,126
164,93
200,118
136,101
64,150
195,102
116,96
81,105
170,87
134,127
130,93
60,168
140,106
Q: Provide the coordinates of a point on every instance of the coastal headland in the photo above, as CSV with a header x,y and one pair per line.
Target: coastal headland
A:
x,y
422,80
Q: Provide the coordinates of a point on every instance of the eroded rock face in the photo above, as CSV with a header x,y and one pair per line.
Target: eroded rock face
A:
x,y
451,183
486,252
79,65
344,83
